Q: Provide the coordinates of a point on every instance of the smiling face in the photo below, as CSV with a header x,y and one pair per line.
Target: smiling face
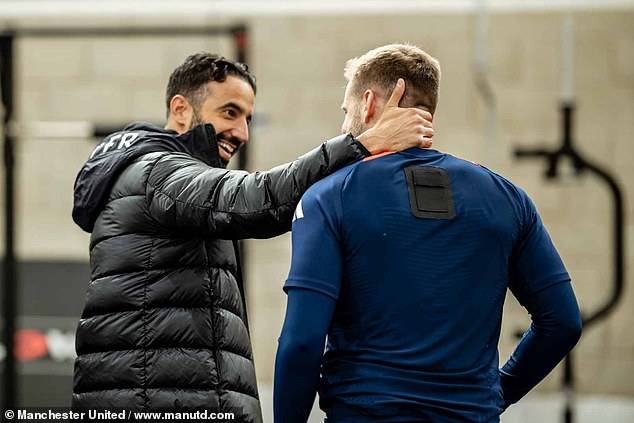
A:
x,y
228,107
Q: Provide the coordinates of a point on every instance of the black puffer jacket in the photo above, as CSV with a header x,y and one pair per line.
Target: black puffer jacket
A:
x,y
164,323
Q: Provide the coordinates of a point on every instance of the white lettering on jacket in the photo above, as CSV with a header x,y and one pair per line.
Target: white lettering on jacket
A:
x,y
125,140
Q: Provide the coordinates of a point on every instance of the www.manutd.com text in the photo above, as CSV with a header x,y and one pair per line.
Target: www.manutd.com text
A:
x,y
26,415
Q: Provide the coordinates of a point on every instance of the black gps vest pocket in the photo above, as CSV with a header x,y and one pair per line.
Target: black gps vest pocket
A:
x,y
430,195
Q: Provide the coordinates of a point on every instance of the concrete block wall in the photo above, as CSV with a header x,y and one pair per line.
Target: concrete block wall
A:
x,y
106,81
298,62
302,92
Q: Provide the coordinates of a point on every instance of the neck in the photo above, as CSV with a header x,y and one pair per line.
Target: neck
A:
x,y
174,126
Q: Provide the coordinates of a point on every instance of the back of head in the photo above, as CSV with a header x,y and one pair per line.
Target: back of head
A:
x,y
191,77
379,69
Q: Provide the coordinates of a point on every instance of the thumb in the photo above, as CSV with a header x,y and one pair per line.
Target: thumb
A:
x,y
397,94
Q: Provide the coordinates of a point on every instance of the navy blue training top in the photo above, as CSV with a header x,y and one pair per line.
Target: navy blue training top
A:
x,y
418,285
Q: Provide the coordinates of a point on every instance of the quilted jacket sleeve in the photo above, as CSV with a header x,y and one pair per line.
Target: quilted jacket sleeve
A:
x,y
186,195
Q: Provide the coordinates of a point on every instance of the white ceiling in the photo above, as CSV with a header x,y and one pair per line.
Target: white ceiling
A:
x,y
28,9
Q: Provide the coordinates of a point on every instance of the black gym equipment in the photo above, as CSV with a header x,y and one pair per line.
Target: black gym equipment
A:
x,y
554,159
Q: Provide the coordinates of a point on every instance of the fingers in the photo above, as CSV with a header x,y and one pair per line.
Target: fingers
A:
x,y
428,132
424,116
420,117
425,141
425,130
417,125
427,116
399,128
397,94
426,135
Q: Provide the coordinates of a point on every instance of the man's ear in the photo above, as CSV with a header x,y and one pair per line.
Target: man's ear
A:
x,y
181,111
369,106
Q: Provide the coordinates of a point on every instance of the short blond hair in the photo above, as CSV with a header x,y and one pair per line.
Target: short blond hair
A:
x,y
380,68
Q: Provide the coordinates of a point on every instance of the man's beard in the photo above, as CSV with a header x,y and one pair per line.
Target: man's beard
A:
x,y
230,140
196,120
357,126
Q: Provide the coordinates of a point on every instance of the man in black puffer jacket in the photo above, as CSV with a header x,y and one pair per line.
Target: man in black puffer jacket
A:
x,y
164,325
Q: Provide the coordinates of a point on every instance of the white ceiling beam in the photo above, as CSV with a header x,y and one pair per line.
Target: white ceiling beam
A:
x,y
11,10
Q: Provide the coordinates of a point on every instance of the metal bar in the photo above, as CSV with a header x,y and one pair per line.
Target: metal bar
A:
x,y
569,389
484,88
618,250
194,9
240,36
52,129
618,247
567,109
122,32
581,164
63,130
9,276
241,41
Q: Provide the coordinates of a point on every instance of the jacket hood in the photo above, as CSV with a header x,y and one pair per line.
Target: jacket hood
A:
x,y
118,150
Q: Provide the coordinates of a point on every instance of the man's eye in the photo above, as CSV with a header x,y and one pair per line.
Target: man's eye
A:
x,y
230,113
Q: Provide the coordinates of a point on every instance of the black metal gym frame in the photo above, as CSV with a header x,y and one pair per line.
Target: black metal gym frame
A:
x,y
7,43
581,164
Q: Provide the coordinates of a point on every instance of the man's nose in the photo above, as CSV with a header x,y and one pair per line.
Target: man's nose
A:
x,y
241,131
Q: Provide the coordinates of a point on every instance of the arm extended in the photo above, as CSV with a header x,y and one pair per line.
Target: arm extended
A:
x,y
236,204
187,195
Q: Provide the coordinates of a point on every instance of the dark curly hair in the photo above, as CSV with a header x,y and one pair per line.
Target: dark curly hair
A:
x,y
189,79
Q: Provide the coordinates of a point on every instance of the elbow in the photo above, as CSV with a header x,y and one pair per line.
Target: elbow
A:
x,y
301,346
571,331
297,356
